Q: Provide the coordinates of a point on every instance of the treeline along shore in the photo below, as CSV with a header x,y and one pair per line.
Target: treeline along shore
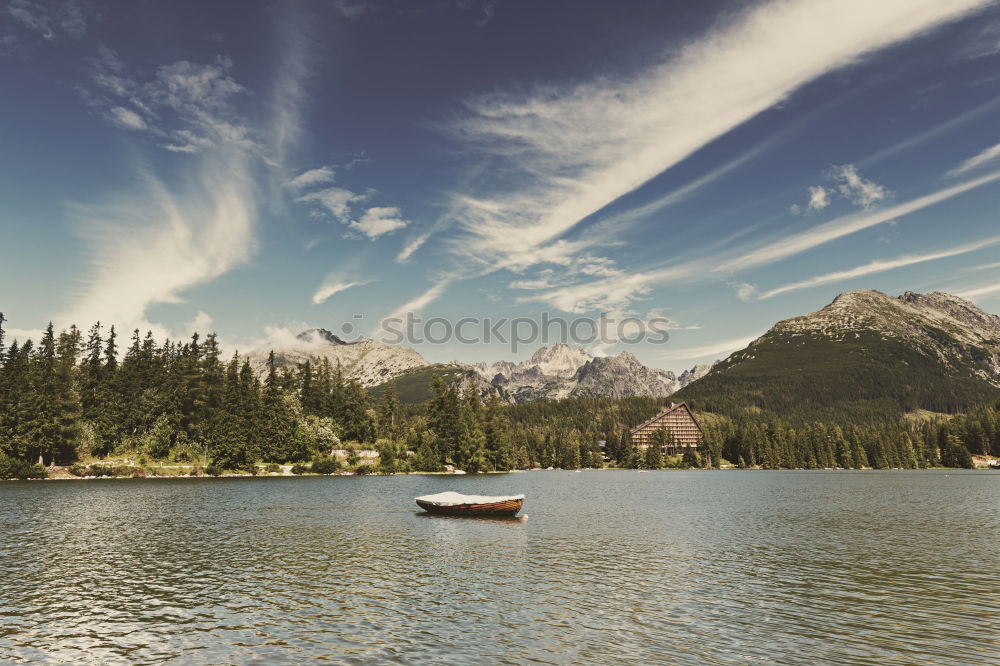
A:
x,y
75,399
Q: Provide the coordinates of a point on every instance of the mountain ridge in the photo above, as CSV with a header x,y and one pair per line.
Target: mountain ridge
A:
x,y
865,352
553,372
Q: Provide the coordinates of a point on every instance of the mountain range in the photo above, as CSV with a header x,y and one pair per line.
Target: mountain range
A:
x,y
561,371
866,353
557,371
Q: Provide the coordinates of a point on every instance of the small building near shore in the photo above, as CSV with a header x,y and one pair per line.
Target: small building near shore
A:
x,y
678,421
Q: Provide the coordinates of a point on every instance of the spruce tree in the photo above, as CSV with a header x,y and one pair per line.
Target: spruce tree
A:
x,y
653,456
388,407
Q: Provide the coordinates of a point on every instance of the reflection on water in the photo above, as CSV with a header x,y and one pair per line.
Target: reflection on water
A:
x,y
680,567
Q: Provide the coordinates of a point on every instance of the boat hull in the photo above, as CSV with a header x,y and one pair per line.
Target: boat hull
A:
x,y
505,508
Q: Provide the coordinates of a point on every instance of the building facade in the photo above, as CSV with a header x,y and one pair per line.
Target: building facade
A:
x,y
675,419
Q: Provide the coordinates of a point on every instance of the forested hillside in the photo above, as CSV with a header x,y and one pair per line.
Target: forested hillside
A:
x,y
74,397
865,358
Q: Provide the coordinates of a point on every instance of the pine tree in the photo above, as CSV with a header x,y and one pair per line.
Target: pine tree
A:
x,y
427,458
44,428
653,456
496,426
388,407
277,426
470,453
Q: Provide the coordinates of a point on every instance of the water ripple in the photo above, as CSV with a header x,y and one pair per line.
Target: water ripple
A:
x,y
612,567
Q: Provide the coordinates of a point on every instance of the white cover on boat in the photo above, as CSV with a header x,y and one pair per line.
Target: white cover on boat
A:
x,y
451,498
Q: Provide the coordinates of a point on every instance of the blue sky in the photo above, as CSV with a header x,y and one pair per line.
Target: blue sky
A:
x,y
256,168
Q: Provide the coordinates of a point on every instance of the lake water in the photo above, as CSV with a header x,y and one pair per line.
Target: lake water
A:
x,y
622,567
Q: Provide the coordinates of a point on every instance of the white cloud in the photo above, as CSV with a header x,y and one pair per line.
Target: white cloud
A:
x,y
318,176
745,291
880,266
181,147
334,283
413,306
187,106
989,155
819,198
126,118
149,247
984,267
615,223
611,293
412,246
336,200
943,129
848,224
985,290
379,221
21,335
202,324
352,10
555,155
711,351
530,284
855,188
564,153
984,44
46,18
289,95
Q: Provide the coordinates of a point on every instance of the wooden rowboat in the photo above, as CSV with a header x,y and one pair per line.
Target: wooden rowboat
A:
x,y
456,504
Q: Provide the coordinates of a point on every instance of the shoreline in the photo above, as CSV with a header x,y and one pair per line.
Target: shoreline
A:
x,y
61,473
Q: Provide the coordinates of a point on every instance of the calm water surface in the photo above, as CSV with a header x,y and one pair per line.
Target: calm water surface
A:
x,y
671,567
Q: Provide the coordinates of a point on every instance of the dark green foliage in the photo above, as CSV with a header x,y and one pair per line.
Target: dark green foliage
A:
x,y
690,458
863,378
325,465
70,396
14,468
653,456
111,471
392,456
426,458
955,454
416,386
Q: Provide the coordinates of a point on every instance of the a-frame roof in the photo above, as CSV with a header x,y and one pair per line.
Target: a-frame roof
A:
x,y
668,410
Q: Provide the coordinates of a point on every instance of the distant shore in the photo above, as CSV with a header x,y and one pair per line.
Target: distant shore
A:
x,y
62,472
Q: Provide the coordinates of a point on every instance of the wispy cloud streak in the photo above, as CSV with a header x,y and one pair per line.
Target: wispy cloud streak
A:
x,y
556,155
880,266
991,154
150,246
564,154
616,293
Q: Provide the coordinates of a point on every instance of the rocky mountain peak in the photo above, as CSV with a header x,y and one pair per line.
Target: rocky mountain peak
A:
x,y
930,351
315,335
954,307
559,360
562,371
367,361
948,329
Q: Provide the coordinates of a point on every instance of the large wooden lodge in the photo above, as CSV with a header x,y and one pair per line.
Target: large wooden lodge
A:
x,y
675,419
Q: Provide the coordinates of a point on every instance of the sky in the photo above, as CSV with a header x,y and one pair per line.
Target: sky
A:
x,y
706,167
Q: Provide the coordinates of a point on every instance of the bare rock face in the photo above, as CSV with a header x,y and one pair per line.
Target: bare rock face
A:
x,y
866,353
368,362
554,372
561,371
946,328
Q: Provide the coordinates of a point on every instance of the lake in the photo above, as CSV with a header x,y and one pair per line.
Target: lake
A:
x,y
610,566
